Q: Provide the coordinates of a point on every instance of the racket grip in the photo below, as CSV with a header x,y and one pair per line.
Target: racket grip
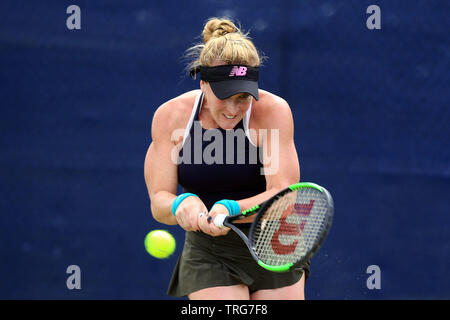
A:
x,y
219,219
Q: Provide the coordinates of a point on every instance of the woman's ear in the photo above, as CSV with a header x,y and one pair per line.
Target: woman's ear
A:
x,y
202,85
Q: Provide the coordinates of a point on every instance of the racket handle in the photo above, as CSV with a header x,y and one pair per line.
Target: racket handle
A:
x,y
219,219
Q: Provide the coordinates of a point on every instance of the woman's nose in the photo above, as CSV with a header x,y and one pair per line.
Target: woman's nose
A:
x,y
232,107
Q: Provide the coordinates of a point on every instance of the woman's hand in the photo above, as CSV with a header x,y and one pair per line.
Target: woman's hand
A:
x,y
206,221
188,212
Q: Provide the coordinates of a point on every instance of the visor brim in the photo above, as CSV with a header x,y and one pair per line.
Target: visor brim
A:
x,y
226,89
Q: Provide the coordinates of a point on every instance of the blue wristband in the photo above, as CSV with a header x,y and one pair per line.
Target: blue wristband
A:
x,y
232,206
178,200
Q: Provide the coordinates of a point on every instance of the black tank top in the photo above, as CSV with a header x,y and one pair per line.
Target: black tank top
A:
x,y
218,164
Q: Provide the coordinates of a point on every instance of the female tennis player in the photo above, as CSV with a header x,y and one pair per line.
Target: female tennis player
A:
x,y
230,146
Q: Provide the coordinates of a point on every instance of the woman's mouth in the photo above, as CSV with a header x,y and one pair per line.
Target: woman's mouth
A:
x,y
229,117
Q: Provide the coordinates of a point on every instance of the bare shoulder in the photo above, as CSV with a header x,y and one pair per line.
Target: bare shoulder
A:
x,y
271,111
174,114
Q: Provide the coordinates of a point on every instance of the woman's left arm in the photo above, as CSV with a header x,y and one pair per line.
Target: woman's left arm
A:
x,y
281,165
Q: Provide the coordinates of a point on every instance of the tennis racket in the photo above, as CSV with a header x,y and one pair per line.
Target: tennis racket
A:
x,y
289,228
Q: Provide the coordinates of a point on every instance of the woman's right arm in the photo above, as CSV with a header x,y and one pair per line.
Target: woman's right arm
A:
x,y
159,170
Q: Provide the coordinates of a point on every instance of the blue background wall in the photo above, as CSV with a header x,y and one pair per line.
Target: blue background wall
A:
x,y
371,118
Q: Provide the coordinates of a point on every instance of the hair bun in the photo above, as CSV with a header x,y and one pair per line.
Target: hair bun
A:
x,y
215,28
223,43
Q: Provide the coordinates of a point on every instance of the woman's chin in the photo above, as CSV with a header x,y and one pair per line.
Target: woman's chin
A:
x,y
229,124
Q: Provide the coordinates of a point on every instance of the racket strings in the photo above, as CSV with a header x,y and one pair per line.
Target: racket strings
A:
x,y
272,246
291,227
266,226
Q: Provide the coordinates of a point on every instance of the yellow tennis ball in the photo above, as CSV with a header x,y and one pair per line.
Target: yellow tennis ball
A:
x,y
160,244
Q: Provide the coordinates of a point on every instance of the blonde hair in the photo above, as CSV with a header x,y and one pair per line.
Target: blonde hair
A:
x,y
223,41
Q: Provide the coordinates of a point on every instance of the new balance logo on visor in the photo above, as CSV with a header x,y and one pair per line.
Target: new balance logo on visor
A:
x,y
238,71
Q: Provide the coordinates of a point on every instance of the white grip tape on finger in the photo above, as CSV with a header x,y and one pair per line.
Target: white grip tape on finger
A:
x,y
201,214
219,219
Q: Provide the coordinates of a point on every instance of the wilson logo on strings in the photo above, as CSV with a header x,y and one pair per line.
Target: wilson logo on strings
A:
x,y
287,228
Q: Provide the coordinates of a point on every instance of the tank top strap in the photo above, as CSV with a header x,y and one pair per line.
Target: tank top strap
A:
x,y
198,106
194,115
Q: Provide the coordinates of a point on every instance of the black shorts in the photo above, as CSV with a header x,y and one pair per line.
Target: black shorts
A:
x,y
224,261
